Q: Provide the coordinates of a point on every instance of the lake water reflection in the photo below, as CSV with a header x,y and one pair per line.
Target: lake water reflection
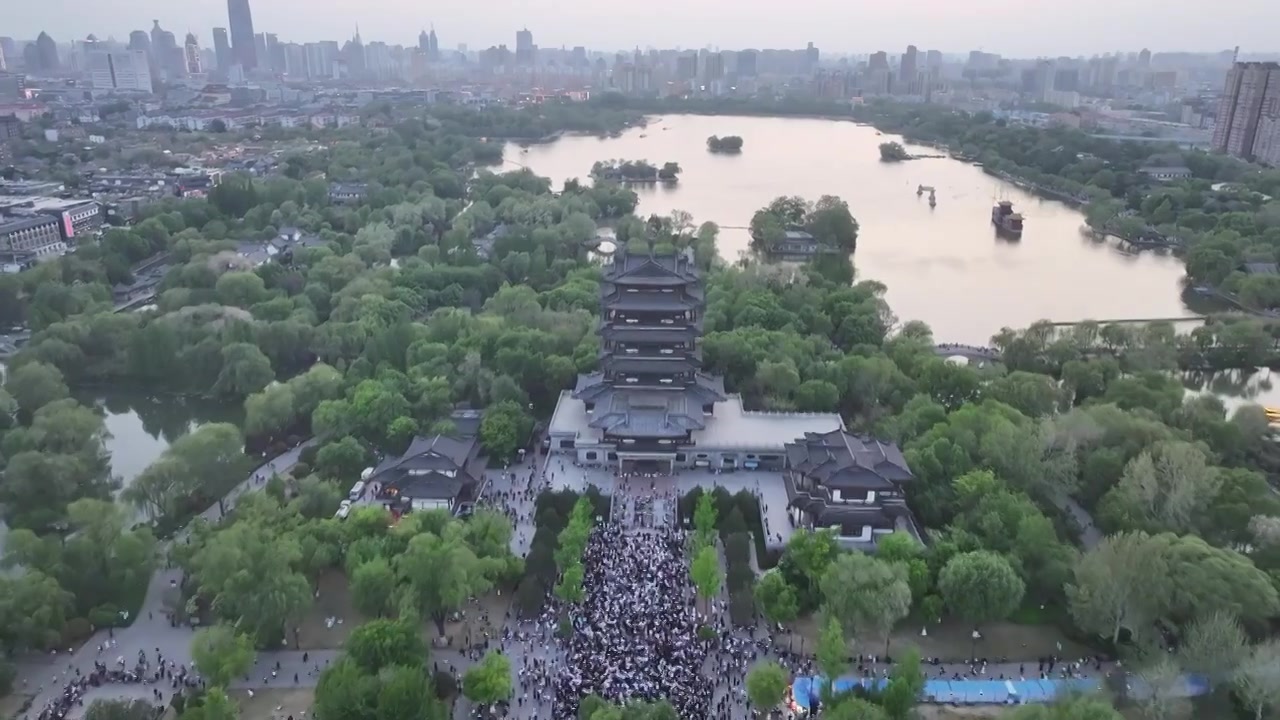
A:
x,y
141,427
944,265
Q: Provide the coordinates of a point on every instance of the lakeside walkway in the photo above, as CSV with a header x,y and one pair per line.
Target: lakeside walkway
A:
x,y
151,631
43,677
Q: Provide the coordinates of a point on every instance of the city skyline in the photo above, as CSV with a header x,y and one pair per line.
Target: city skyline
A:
x,y
1026,29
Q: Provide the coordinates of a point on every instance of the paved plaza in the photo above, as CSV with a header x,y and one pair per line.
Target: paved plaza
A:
x,y
44,677
768,486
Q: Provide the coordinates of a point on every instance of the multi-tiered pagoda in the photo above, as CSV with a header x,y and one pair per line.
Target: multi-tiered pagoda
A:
x,y
650,394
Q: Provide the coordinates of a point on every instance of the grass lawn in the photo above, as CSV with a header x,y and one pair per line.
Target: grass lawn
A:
x,y
274,704
485,614
951,640
333,601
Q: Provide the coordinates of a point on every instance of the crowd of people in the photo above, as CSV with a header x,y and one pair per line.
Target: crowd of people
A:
x,y
159,674
635,635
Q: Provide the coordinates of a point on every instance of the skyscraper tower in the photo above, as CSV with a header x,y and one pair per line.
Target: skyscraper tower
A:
x,y
242,39
222,49
1248,126
908,72
353,53
46,52
524,47
433,53
191,55
140,40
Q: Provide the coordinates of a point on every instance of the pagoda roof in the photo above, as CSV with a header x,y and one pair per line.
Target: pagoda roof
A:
x,y
666,270
624,332
645,413
611,289
650,364
845,461
595,388
651,301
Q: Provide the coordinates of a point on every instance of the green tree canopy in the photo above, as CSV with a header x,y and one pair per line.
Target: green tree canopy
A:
x,y
221,654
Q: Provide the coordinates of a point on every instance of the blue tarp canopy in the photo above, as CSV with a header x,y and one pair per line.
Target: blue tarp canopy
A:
x,y
985,692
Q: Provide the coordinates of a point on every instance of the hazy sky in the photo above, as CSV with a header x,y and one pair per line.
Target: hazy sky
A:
x,y
1020,28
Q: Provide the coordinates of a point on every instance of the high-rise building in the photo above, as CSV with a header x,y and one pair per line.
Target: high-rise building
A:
x,y
13,86
320,59
165,53
1066,79
687,66
747,60
433,51
295,60
139,40
9,48
713,67
222,49
424,41
46,53
1043,80
353,54
163,42
811,58
524,47
191,54
3,64
1250,101
909,72
274,57
242,38
123,70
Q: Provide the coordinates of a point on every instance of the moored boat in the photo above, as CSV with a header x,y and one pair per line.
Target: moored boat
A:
x,y
1007,221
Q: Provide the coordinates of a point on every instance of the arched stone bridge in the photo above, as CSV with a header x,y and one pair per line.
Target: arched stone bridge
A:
x,y
972,353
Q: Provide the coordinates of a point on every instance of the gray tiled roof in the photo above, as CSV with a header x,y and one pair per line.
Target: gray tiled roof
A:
x,y
652,270
648,414
704,390
24,223
420,471
849,462
1261,268
630,333
649,301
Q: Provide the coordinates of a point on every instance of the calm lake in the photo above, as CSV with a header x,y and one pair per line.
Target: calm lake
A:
x,y
140,427
944,265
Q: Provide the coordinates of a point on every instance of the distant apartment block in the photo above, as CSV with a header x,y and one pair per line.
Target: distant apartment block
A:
x,y
29,239
10,127
125,70
1248,122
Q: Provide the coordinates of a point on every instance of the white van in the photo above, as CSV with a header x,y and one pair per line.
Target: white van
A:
x,y
357,491
344,510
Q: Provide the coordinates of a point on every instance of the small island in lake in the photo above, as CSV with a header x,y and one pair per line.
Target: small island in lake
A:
x,y
794,227
726,144
634,171
893,152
